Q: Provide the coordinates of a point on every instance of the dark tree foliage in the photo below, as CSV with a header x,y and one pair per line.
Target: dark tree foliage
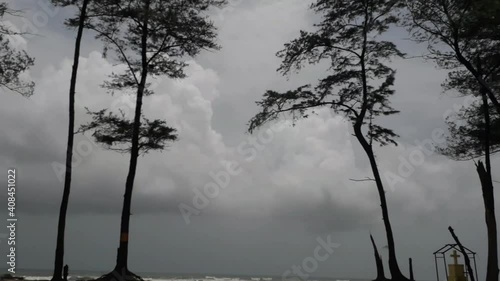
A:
x,y
13,62
462,35
482,21
115,132
359,81
467,128
467,133
356,59
59,255
152,38
175,30
475,133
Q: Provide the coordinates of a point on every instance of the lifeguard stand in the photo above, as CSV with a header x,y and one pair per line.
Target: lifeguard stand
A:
x,y
454,271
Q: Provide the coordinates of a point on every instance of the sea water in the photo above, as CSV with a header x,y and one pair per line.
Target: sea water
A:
x,y
31,275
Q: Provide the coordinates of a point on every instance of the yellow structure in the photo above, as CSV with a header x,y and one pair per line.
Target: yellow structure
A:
x,y
456,271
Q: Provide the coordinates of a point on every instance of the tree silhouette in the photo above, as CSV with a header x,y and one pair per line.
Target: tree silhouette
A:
x,y
13,62
152,38
115,131
59,256
462,35
474,132
358,86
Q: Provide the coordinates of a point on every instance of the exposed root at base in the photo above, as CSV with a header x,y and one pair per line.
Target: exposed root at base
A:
x,y
120,275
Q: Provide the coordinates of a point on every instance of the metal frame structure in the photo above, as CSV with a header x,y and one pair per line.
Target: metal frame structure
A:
x,y
441,254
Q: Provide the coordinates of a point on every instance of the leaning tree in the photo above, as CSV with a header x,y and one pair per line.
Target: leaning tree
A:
x,y
359,83
474,133
463,37
458,32
151,38
80,23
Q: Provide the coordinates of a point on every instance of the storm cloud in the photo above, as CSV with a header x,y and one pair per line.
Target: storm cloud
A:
x,y
293,185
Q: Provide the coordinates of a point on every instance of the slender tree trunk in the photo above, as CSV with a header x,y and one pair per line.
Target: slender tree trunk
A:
x,y
464,253
393,263
59,258
488,197
492,264
412,278
378,262
122,256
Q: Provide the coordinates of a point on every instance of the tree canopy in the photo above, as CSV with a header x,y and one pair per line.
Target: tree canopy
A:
x,y
13,61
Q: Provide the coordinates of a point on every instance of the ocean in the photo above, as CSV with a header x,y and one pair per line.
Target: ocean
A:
x,y
86,275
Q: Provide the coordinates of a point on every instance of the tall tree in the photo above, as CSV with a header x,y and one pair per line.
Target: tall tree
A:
x,y
359,85
463,36
460,34
13,62
59,256
116,132
152,38
475,133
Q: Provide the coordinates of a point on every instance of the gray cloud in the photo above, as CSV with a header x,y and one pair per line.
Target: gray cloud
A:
x,y
295,189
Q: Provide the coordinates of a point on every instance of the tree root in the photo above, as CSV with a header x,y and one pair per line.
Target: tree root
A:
x,y
120,275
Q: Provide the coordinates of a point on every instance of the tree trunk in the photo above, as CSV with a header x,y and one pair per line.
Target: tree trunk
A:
x,y
466,257
488,197
412,278
378,262
59,258
492,264
486,87
393,263
122,256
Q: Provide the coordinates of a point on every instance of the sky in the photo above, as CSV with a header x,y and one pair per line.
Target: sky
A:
x,y
220,200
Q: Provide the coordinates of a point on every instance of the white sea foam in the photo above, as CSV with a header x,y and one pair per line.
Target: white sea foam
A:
x,y
37,277
82,277
166,279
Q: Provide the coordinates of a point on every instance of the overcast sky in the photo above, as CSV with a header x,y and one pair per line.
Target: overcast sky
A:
x,y
290,188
